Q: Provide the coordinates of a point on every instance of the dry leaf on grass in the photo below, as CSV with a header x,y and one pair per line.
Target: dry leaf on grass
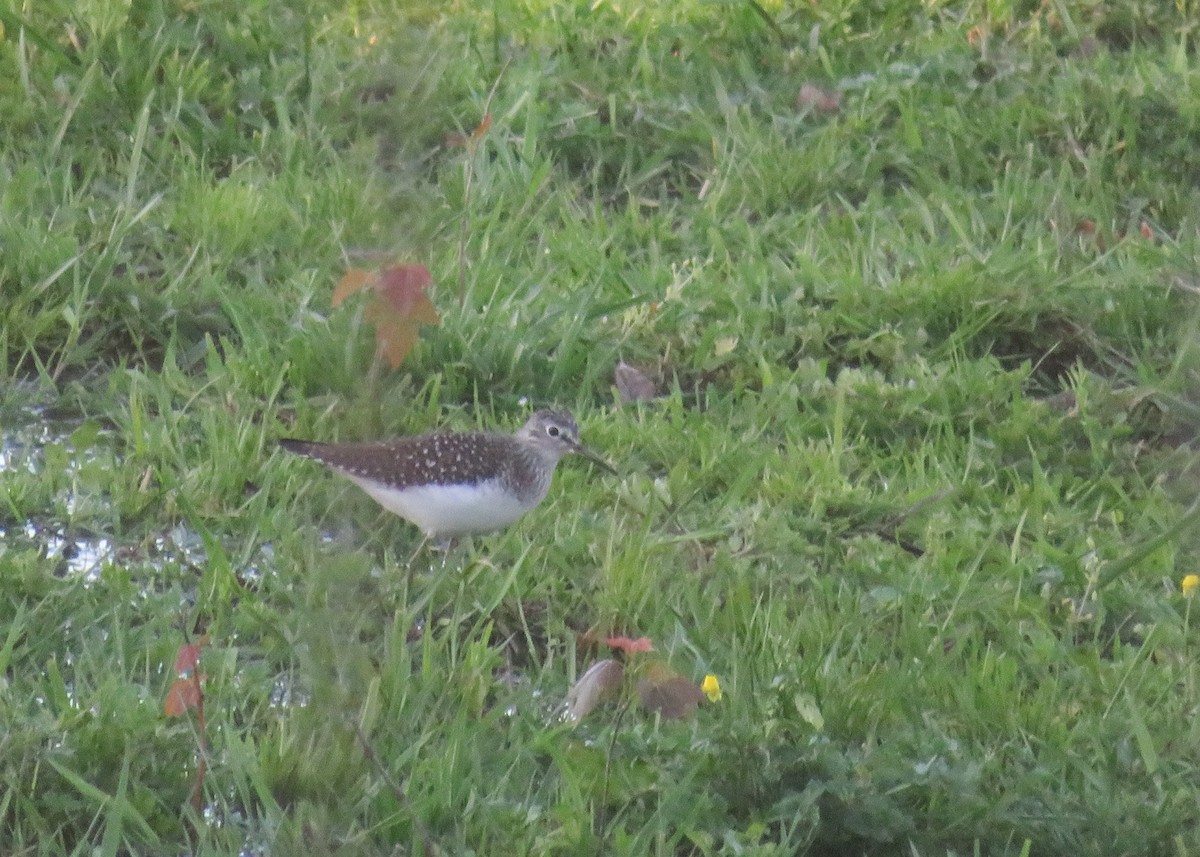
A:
x,y
398,309
602,680
665,692
816,98
633,385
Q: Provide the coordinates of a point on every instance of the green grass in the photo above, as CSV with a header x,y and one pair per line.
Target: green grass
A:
x,y
943,601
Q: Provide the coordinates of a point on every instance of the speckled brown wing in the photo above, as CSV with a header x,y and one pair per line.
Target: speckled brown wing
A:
x,y
435,459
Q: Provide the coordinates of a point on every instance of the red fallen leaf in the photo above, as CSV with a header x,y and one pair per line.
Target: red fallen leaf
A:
x,y
187,658
1146,231
189,655
352,281
399,308
183,695
665,692
403,287
600,682
630,646
1088,227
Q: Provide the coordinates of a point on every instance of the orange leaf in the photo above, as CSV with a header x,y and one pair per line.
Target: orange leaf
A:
x,y
396,342
601,681
482,127
1146,231
630,646
184,694
352,281
424,311
395,334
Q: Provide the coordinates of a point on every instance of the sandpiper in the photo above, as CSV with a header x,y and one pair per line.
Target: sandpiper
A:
x,y
457,483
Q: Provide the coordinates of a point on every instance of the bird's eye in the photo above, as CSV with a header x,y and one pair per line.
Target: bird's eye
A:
x,y
552,431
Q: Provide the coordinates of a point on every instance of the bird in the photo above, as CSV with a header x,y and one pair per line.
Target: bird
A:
x,y
452,484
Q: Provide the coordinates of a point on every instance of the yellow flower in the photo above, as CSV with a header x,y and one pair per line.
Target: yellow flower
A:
x,y
1189,585
712,687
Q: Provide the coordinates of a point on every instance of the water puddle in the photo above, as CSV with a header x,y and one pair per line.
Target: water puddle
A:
x,y
35,441
69,457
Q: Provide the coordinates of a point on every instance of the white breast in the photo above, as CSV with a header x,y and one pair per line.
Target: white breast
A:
x,y
447,510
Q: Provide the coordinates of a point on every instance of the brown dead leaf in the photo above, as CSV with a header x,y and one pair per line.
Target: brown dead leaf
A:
x,y
1065,401
633,385
665,692
602,680
819,99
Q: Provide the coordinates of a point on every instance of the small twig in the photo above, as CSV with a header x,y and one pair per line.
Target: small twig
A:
x,y
469,168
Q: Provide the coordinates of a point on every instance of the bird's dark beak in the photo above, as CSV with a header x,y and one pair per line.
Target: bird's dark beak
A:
x,y
595,459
